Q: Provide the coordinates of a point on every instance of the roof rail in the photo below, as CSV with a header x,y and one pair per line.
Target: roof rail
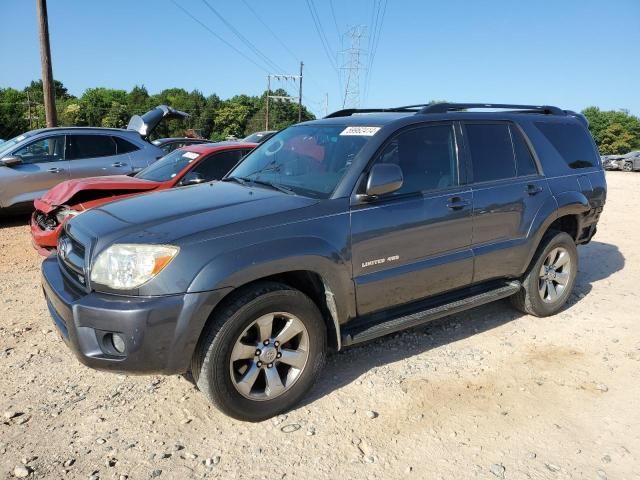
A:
x,y
347,112
452,107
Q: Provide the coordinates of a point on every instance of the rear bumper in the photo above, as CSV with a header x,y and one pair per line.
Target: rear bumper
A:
x,y
160,333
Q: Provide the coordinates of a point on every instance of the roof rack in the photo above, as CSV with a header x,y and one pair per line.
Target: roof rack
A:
x,y
423,108
452,107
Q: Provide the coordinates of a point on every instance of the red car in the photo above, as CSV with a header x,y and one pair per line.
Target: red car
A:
x,y
189,165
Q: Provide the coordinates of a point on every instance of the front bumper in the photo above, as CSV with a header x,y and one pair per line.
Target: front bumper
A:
x,y
160,333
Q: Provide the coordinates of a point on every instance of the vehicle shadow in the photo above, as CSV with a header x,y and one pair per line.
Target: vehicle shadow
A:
x,y
15,220
597,262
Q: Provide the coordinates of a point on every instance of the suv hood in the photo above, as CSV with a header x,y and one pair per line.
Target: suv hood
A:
x,y
145,124
189,214
64,193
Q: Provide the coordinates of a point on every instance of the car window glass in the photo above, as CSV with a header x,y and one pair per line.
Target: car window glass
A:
x,y
525,164
571,141
491,151
426,156
89,146
168,167
124,146
50,149
217,165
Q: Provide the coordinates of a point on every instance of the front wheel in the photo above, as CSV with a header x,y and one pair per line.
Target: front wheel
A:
x,y
261,353
550,278
627,167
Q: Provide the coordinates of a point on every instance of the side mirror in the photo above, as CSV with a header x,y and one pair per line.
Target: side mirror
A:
x,y
383,178
11,160
192,178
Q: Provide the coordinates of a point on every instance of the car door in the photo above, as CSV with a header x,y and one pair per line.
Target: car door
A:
x,y
215,166
92,155
43,165
508,191
415,242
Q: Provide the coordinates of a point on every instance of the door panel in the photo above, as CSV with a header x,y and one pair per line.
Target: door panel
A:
x,y
410,249
43,167
95,155
416,241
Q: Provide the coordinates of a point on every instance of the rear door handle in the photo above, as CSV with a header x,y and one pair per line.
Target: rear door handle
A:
x,y
533,189
55,170
119,164
456,203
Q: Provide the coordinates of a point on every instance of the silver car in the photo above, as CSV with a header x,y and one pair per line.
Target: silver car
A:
x,y
32,163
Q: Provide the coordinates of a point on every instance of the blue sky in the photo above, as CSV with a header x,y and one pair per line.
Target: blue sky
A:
x,y
571,53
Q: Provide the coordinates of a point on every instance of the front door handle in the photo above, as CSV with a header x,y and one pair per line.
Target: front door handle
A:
x,y
55,170
456,203
119,164
533,189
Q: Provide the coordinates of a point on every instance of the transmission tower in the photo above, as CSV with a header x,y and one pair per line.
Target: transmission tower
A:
x,y
353,65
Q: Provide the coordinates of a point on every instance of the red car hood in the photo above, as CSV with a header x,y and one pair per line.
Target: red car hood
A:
x,y
63,193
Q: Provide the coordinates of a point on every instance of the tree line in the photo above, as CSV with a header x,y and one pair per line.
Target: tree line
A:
x,y
615,131
210,116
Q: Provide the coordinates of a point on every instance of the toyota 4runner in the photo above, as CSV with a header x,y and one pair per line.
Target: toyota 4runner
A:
x,y
332,232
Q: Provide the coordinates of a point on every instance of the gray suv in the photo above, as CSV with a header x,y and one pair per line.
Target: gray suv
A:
x,y
32,163
331,233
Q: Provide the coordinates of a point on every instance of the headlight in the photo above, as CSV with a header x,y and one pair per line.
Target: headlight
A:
x,y
63,213
127,266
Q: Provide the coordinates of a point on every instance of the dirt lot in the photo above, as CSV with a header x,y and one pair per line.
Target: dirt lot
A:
x,y
489,393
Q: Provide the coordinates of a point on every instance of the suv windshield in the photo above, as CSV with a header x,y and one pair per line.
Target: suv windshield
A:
x,y
14,141
309,160
168,166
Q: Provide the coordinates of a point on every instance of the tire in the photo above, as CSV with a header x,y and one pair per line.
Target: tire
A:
x,y
536,296
248,388
627,167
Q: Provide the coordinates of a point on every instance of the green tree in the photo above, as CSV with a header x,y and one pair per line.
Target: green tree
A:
x,y
616,139
601,126
117,116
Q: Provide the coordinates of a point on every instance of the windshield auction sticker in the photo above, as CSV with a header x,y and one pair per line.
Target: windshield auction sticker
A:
x,y
191,155
360,131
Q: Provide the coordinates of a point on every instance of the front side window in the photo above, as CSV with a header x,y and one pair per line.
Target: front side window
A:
x,y
309,160
168,167
491,151
50,149
90,146
217,165
426,156
571,141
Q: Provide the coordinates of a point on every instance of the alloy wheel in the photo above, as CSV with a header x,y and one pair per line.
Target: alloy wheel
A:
x,y
554,275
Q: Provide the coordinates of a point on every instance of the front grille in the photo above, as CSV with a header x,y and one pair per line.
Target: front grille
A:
x,y
71,256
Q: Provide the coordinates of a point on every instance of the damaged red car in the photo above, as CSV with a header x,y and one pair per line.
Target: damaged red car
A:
x,y
189,165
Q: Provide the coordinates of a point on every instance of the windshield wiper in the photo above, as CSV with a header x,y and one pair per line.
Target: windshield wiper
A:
x,y
240,180
275,186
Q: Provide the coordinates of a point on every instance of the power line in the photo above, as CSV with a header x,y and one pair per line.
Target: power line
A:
x,y
244,39
321,34
335,21
284,45
261,67
374,47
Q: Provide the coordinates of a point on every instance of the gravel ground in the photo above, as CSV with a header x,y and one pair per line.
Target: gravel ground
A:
x,y
490,393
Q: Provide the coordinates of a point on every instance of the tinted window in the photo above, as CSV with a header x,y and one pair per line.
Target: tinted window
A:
x,y
426,156
50,149
217,165
124,146
89,146
168,166
571,141
491,151
525,164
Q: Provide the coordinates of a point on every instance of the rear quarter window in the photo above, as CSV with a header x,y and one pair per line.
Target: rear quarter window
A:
x,y
572,143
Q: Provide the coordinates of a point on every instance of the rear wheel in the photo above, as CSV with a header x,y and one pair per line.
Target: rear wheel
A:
x,y
261,353
551,276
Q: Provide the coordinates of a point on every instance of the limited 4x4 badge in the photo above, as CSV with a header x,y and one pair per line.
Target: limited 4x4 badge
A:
x,y
379,261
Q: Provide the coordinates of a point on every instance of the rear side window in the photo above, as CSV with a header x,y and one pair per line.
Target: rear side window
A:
x,y
124,146
89,146
491,151
525,164
217,165
571,141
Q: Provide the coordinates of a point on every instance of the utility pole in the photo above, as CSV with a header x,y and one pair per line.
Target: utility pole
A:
x,y
353,67
300,95
48,87
326,104
281,77
29,107
266,123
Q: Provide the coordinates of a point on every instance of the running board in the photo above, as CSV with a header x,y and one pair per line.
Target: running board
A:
x,y
362,333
